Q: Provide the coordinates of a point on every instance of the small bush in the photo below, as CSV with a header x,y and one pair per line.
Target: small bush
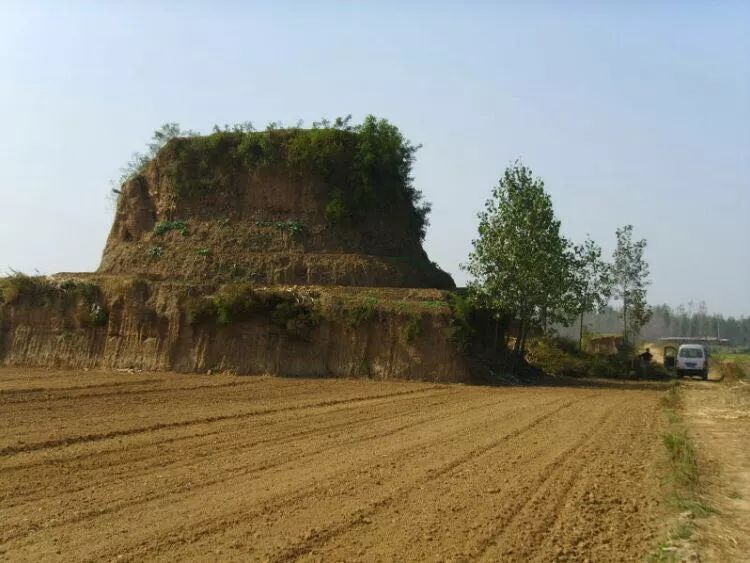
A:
x,y
155,252
413,328
363,312
335,211
17,285
97,315
236,302
163,227
203,252
462,330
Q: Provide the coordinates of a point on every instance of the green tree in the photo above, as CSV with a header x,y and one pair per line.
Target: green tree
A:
x,y
519,263
591,277
630,275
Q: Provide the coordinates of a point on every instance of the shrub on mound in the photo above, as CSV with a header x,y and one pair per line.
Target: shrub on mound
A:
x,y
366,166
295,314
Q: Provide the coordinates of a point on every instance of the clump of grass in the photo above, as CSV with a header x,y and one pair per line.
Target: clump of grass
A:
x,y
362,313
682,459
673,399
235,302
163,227
66,294
683,474
203,252
294,226
18,284
155,252
413,328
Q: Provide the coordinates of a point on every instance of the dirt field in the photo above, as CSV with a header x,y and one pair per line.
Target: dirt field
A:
x,y
164,466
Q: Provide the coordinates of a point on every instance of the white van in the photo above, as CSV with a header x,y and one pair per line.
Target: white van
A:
x,y
692,359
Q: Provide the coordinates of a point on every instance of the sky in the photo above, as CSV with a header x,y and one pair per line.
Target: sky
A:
x,y
631,112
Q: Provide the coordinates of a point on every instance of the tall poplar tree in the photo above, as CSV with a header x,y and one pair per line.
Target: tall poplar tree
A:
x,y
630,273
519,263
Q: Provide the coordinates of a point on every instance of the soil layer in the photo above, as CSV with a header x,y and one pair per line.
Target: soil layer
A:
x,y
131,466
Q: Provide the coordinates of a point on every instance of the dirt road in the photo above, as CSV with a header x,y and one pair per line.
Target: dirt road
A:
x,y
717,413
164,466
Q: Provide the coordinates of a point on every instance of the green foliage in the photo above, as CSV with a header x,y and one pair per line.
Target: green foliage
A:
x,y
682,458
591,280
163,227
155,252
520,265
630,276
42,291
561,357
335,210
161,137
362,313
97,315
366,166
293,226
203,252
236,302
462,330
413,328
16,285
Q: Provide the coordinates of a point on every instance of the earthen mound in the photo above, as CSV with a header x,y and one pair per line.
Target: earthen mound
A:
x,y
325,206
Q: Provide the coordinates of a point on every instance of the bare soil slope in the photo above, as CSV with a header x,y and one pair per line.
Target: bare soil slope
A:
x,y
164,466
199,212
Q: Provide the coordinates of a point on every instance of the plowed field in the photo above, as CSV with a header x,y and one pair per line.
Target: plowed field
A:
x,y
164,466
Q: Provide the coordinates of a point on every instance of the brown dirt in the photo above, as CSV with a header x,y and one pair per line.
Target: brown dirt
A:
x,y
130,466
238,234
717,413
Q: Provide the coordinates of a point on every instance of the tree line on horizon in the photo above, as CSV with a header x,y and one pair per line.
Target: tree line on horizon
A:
x,y
666,321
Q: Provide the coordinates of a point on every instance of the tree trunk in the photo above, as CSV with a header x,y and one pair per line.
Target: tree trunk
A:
x,y
517,345
580,335
494,344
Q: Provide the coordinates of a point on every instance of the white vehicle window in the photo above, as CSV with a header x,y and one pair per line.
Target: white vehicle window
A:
x,y
691,353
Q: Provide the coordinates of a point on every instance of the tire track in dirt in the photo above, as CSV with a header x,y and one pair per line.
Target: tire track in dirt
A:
x,y
239,471
294,551
71,440
548,482
39,390
211,527
334,470
51,393
231,443
149,442
469,529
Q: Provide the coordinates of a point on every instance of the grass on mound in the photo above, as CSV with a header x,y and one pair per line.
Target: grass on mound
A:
x,y
294,313
365,166
84,296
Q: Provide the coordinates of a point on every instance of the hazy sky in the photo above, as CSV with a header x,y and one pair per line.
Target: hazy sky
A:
x,y
630,112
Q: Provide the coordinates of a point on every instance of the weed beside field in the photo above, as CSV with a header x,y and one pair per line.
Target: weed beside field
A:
x,y
682,479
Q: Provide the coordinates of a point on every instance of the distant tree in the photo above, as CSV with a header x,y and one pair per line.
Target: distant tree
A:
x,y
591,278
519,264
630,275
